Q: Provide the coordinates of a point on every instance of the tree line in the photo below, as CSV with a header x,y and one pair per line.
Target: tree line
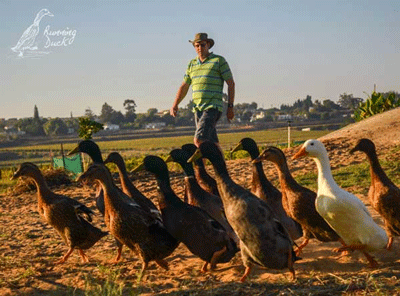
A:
x,y
304,109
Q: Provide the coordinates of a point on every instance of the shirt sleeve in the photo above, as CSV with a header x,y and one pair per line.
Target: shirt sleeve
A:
x,y
186,77
224,69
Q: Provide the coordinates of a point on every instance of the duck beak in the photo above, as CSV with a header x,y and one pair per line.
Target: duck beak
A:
x,y
80,178
257,159
353,150
15,174
73,151
237,148
302,152
139,168
196,155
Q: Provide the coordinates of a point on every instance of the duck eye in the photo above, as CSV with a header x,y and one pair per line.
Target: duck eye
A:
x,y
312,144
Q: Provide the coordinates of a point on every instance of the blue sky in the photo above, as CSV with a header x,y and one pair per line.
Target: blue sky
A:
x,y
279,51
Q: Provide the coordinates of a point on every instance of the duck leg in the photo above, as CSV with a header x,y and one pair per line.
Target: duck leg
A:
x,y
290,263
302,245
65,257
390,242
246,273
118,257
85,258
162,263
144,266
216,255
370,259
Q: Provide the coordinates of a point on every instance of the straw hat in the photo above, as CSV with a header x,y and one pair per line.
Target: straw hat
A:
x,y
202,37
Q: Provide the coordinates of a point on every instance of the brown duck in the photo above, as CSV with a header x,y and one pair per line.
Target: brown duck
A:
x,y
198,231
129,223
263,188
299,202
263,239
129,189
197,196
383,194
64,214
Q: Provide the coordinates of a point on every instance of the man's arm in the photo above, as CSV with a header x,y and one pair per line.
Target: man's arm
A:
x,y
182,91
231,99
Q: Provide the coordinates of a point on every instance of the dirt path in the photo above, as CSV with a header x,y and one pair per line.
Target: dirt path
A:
x,y
28,246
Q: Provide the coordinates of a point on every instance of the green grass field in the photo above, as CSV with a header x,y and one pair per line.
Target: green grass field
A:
x,y
134,150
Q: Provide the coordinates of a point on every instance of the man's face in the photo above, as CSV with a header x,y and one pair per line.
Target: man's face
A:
x,y
202,48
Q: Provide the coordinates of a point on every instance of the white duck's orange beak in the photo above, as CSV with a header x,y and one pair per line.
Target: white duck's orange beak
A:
x,y
302,152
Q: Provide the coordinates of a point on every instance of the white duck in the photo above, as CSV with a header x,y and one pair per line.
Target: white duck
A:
x,y
27,39
343,211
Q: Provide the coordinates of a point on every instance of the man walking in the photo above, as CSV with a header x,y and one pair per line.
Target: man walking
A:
x,y
206,73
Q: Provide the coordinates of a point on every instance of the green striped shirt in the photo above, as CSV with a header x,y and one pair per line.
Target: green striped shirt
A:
x,y
207,80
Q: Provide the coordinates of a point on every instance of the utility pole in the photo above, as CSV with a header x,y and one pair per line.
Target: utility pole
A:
x,y
288,132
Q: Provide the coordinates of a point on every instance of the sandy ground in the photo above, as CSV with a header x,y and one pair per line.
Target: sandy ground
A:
x,y
28,246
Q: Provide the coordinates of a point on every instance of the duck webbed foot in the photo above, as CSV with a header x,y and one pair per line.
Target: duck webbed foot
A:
x,y
204,267
372,262
65,257
346,251
85,258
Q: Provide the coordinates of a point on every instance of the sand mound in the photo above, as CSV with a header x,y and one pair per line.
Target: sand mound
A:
x,y
383,129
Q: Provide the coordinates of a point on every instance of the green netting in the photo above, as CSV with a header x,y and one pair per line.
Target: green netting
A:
x,y
72,163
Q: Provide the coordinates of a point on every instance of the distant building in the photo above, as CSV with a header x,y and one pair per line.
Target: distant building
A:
x,y
154,125
284,117
111,127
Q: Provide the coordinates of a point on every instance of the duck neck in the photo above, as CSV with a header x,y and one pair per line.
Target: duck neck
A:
x,y
325,178
285,177
126,183
193,189
221,171
43,191
260,178
377,173
199,168
110,190
167,196
188,169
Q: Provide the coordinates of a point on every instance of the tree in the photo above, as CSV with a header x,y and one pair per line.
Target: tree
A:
x,y
330,105
89,113
55,126
151,112
31,126
349,102
35,113
88,127
106,113
130,107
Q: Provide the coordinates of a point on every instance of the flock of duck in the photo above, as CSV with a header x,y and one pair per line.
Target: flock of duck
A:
x,y
218,217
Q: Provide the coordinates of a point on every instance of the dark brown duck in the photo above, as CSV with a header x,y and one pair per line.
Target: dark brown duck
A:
x,y
63,213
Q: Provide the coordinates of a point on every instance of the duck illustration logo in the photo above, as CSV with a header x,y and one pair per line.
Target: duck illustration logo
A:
x,y
27,40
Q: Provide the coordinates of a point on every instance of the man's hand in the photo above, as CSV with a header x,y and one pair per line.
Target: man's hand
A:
x,y
230,114
173,111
